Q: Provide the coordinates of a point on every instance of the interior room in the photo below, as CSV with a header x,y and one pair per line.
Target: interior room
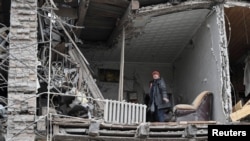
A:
x,y
182,46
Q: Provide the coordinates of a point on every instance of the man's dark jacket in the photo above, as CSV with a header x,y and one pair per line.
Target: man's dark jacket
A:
x,y
158,91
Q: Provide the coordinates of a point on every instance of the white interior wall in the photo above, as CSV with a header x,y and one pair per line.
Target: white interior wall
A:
x,y
136,78
198,67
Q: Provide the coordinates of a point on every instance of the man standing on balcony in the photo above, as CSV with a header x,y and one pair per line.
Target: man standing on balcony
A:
x,y
159,100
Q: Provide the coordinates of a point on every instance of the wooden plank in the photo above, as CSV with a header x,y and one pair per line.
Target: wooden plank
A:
x,y
245,111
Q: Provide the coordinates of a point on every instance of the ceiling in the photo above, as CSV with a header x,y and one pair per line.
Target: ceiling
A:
x,y
161,41
101,19
165,37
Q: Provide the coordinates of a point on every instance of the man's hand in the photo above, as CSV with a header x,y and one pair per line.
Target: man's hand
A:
x,y
166,100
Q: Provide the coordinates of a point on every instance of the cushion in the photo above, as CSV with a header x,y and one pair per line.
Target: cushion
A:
x,y
198,99
184,107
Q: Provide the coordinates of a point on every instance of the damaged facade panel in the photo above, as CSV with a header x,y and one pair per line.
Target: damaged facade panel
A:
x,y
225,74
61,62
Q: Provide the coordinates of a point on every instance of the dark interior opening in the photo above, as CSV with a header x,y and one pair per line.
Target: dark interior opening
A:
x,y
238,34
4,22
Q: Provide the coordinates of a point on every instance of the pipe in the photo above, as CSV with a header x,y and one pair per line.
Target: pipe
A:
x,y
120,97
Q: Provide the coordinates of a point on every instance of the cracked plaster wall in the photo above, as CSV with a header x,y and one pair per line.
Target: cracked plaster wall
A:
x,y
199,67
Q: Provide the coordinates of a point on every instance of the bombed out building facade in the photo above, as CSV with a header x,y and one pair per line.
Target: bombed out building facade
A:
x,y
80,69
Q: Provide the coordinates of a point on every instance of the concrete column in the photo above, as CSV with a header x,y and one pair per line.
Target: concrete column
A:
x,y
22,74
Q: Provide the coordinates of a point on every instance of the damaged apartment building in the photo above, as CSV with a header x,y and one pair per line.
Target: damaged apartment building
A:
x,y
80,69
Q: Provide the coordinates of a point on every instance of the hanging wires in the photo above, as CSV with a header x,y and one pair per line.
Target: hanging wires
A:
x,y
65,23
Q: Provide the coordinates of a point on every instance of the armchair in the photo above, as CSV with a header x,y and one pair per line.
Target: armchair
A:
x,y
199,110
